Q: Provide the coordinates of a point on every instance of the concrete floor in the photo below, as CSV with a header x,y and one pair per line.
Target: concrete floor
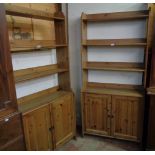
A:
x,y
95,143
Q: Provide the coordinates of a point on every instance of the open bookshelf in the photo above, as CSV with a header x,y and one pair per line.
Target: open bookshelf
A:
x,y
104,103
40,28
58,42
127,42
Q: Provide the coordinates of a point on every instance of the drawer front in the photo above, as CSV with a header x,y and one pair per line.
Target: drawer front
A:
x,y
10,130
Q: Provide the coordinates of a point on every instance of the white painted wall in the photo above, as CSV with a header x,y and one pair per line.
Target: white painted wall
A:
x,y
33,59
108,30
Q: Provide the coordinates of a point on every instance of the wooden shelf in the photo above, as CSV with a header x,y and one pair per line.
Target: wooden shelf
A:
x,y
31,13
27,45
114,66
42,98
109,91
36,72
130,15
115,42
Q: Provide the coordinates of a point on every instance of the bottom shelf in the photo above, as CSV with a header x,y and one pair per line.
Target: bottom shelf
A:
x,y
110,91
33,101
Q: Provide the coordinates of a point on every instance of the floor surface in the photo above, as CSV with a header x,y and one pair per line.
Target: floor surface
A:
x,y
94,143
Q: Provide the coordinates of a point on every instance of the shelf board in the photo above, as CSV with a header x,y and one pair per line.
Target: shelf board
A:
x,y
36,72
31,13
115,42
130,15
114,66
42,98
28,45
110,91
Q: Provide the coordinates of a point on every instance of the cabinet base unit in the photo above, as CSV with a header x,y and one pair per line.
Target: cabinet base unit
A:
x,y
11,134
113,116
48,119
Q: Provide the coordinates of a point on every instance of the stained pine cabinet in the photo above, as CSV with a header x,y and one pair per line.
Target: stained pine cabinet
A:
x,y
37,126
63,119
127,117
51,124
96,111
113,116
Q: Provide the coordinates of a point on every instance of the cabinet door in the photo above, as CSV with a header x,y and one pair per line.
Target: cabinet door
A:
x,y
37,127
127,117
63,119
96,111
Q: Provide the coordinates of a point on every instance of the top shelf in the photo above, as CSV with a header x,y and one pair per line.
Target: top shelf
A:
x,y
31,13
130,15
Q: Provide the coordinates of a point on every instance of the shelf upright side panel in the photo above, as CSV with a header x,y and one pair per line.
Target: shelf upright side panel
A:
x,y
62,54
148,36
84,55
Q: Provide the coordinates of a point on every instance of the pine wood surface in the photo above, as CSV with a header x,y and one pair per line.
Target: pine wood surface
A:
x,y
30,105
113,116
31,13
115,42
36,72
36,129
130,15
120,92
114,66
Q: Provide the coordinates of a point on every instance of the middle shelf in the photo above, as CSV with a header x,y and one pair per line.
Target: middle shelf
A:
x,y
36,72
115,42
115,66
24,45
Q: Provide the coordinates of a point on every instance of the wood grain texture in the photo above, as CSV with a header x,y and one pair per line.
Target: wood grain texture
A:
x,y
63,119
32,102
115,42
43,30
84,54
127,117
114,66
130,15
114,86
37,72
7,87
31,13
120,92
37,126
62,54
96,113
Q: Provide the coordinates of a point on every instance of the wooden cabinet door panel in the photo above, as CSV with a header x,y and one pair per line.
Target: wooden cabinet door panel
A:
x,y
96,111
127,117
63,119
37,125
